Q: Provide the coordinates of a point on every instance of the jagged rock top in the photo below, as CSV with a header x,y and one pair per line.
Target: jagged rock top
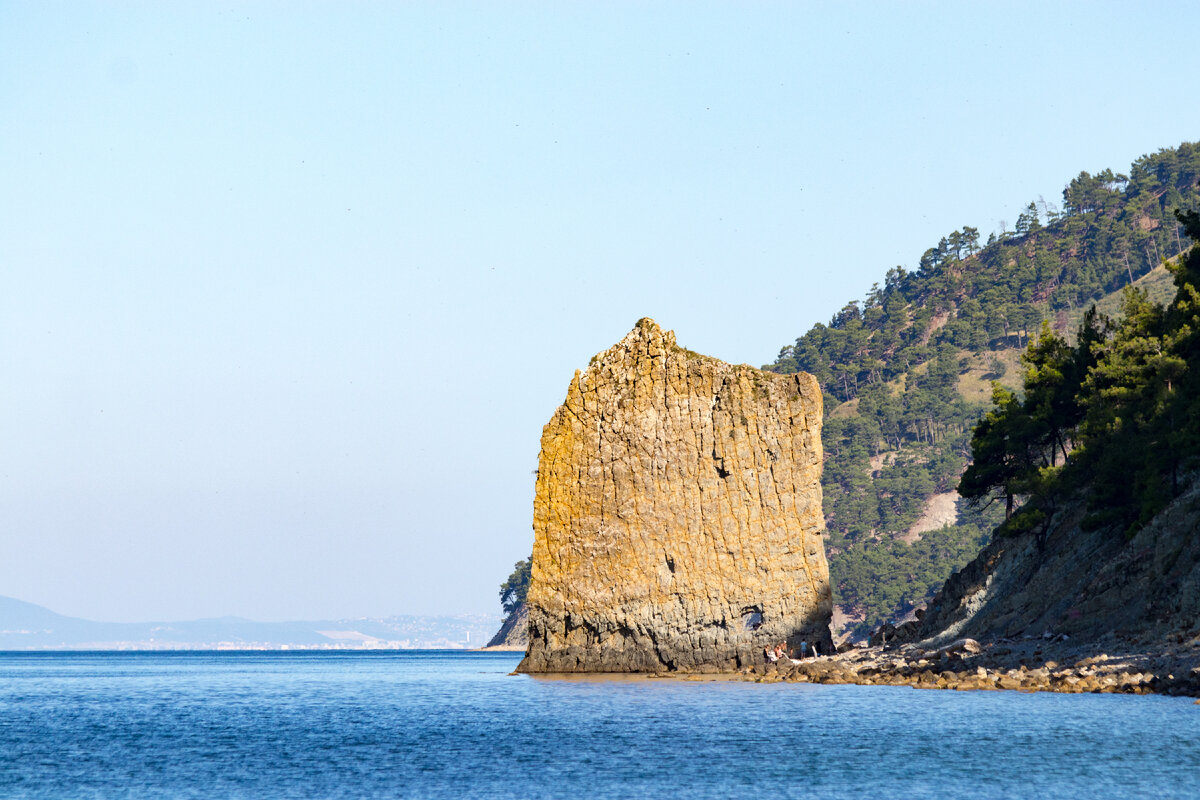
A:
x,y
677,516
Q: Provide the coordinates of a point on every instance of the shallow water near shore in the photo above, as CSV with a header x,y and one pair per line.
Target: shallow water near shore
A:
x,y
437,724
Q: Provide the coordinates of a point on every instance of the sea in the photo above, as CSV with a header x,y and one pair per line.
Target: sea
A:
x,y
438,724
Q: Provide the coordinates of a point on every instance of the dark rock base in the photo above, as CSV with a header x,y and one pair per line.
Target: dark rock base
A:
x,y
631,653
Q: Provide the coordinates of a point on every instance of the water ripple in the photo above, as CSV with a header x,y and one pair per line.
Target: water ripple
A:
x,y
424,725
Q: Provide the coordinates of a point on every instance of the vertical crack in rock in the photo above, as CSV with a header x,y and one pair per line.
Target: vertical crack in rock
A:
x,y
677,518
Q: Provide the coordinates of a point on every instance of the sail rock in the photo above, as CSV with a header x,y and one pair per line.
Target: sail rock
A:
x,y
677,518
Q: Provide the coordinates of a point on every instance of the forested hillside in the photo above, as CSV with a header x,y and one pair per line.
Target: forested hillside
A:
x,y
1114,416
906,371
1096,464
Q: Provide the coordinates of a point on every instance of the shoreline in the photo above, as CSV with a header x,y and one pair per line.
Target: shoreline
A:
x,y
500,648
1025,666
965,665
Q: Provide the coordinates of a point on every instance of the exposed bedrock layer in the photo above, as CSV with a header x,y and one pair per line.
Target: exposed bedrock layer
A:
x,y
1088,585
514,631
677,518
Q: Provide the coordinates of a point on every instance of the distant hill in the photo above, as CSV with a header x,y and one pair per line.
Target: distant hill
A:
x,y
907,371
25,626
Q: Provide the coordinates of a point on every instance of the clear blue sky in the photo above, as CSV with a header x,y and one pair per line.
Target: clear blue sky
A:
x,y
289,289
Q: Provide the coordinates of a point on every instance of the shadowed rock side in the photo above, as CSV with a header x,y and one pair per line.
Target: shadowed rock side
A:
x,y
1081,586
677,518
514,631
1072,610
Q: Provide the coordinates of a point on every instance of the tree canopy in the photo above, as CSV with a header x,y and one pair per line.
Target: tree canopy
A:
x,y
516,587
1130,412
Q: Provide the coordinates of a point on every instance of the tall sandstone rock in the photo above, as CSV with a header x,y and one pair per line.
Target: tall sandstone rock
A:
x,y
677,519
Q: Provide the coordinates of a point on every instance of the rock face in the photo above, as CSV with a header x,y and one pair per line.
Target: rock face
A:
x,y
1085,585
514,631
677,519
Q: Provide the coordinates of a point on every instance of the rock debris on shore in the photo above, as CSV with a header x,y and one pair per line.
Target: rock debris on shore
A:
x,y
967,665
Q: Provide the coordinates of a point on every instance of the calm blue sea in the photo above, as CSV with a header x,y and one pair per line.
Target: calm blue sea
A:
x,y
457,725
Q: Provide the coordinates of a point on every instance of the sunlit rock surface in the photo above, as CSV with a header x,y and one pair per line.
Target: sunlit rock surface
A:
x,y
677,517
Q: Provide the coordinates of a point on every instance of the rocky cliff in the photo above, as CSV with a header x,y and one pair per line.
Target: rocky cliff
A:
x,y
677,517
1079,585
514,631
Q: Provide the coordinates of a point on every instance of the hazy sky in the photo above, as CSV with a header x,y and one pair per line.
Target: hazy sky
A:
x,y
289,289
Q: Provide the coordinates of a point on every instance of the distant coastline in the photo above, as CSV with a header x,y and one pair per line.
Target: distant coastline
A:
x,y
26,627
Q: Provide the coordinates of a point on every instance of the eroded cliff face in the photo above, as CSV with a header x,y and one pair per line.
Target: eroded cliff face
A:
x,y
677,517
1089,585
514,631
